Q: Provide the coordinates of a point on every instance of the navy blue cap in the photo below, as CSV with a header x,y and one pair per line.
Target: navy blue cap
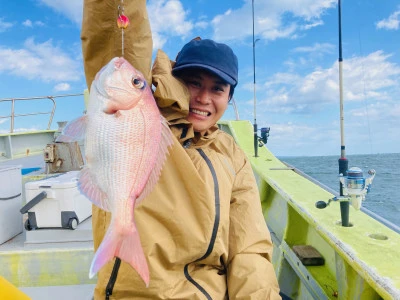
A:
x,y
206,54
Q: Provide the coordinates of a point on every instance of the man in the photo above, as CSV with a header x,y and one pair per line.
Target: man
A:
x,y
201,228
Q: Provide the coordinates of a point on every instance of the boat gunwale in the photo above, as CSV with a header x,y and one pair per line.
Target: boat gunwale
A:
x,y
380,281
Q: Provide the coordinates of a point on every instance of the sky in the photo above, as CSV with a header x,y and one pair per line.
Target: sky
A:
x,y
296,70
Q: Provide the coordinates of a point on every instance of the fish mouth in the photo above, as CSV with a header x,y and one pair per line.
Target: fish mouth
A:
x,y
118,62
200,112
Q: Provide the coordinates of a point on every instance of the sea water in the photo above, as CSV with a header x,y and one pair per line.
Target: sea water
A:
x,y
384,196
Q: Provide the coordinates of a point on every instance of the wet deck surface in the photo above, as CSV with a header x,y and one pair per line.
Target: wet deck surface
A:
x,y
66,292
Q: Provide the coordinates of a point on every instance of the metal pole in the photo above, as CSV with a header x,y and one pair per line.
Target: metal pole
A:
x,y
343,162
254,86
12,115
52,112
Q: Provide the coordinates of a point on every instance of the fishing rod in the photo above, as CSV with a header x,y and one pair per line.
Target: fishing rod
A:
x,y
353,186
258,141
254,89
343,162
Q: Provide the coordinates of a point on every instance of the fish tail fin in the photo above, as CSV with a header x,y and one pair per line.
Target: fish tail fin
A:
x,y
131,251
104,253
125,246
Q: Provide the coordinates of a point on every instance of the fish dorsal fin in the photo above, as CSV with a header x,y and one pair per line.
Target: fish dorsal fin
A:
x,y
91,190
74,130
166,141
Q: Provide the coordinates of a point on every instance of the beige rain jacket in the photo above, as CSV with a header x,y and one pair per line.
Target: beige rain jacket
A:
x,y
202,229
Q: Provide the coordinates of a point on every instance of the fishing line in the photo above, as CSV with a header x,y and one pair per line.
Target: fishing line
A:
x,y
122,22
364,93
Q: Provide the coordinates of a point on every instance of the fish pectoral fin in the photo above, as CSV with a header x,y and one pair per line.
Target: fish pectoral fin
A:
x,y
166,141
125,246
92,191
74,130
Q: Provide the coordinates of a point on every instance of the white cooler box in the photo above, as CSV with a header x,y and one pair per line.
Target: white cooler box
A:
x,y
10,202
55,203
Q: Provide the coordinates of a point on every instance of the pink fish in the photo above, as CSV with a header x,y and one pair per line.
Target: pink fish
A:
x,y
126,143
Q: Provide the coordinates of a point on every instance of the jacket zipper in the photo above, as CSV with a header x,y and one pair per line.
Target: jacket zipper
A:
x,y
114,273
113,278
215,226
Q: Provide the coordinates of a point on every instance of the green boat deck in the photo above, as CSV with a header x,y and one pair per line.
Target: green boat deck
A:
x,y
46,262
361,261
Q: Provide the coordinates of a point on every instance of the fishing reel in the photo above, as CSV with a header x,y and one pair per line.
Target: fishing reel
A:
x,y
355,186
264,136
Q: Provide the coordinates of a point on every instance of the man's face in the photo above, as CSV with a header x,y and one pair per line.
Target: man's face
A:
x,y
209,97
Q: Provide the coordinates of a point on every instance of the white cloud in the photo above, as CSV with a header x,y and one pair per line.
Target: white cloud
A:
x,y
367,128
4,25
201,24
158,40
311,55
313,24
42,61
62,87
27,23
283,78
270,19
308,9
302,137
317,47
391,23
279,31
71,8
167,18
369,77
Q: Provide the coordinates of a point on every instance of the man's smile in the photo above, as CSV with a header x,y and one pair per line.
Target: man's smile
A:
x,y
200,112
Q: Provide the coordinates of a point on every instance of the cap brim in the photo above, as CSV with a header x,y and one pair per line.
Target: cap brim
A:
x,y
177,70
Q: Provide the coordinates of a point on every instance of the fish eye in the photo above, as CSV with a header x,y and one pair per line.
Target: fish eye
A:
x,y
138,83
